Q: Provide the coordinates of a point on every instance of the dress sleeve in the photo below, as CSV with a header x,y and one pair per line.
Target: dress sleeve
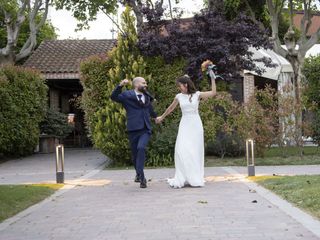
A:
x,y
177,96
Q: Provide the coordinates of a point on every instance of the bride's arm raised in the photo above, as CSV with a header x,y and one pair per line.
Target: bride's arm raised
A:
x,y
213,92
172,106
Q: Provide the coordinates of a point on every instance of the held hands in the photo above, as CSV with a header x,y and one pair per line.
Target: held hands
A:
x,y
159,119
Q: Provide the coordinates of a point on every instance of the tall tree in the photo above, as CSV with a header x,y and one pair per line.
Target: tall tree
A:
x,y
46,32
15,13
107,123
279,18
87,11
296,49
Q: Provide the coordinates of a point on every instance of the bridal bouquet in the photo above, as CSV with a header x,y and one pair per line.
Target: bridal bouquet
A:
x,y
210,69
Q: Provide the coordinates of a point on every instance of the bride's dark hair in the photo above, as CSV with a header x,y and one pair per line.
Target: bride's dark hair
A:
x,y
185,79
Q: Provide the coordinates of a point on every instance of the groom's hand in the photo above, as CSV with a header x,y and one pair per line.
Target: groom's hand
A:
x,y
124,82
158,120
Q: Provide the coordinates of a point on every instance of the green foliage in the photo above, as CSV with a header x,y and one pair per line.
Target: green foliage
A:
x,y
106,119
128,63
161,150
95,81
258,119
55,123
254,8
258,10
86,11
46,32
226,145
273,157
23,101
316,127
311,71
284,24
311,94
163,85
218,116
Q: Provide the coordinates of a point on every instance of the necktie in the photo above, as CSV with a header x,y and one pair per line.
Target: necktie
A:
x,y
140,99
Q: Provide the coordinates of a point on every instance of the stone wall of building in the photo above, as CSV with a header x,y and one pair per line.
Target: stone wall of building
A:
x,y
248,86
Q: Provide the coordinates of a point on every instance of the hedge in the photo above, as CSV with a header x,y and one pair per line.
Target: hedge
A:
x,y
23,102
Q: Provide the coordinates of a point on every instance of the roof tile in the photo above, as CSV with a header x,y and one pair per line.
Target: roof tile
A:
x,y
64,56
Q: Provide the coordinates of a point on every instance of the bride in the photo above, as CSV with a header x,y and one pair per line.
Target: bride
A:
x,y
189,147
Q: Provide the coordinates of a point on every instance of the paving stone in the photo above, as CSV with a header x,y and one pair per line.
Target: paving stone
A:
x,y
119,209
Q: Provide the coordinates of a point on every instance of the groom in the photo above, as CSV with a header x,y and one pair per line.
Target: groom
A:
x,y
137,103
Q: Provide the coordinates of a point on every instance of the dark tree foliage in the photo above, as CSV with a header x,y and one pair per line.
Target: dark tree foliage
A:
x,y
154,17
209,35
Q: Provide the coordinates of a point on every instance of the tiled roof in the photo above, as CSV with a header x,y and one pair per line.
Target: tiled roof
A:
x,y
64,56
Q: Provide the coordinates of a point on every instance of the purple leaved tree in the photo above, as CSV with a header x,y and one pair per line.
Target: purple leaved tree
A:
x,y
209,35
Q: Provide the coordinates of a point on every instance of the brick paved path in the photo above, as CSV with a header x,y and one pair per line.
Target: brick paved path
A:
x,y
109,205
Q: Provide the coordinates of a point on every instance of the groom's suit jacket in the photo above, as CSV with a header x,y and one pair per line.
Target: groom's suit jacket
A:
x,y
138,115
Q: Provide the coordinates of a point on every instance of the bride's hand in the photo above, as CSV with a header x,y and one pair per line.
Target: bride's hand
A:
x,y
159,119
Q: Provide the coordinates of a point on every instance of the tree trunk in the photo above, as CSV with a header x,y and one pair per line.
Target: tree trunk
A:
x,y
8,54
293,55
7,57
297,65
139,18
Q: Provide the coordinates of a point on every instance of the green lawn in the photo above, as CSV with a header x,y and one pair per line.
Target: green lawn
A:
x,y
15,198
302,191
273,157
267,161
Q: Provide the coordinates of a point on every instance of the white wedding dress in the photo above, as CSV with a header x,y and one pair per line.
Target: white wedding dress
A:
x,y
189,148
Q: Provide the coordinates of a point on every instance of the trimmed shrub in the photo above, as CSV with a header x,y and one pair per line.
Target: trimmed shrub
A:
x,y
226,145
56,124
97,88
23,101
219,116
163,85
108,129
258,119
106,119
311,94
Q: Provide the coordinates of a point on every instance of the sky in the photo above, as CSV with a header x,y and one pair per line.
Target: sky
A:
x,y
101,28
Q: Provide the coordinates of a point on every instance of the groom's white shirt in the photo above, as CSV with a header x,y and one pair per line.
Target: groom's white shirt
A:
x,y
142,98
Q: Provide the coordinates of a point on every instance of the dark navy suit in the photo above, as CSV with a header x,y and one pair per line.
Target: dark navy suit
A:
x,y
138,124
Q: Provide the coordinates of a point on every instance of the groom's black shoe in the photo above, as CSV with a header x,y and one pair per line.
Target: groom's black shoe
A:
x,y
137,178
143,183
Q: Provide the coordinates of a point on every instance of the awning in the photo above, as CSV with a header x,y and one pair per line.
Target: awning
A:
x,y
283,66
